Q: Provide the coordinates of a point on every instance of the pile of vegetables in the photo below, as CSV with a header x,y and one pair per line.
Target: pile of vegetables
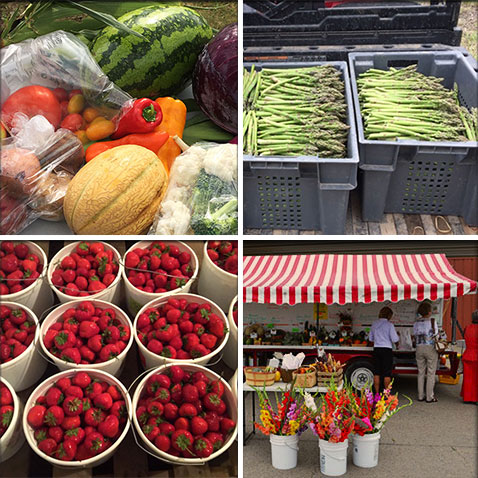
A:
x,y
296,111
405,104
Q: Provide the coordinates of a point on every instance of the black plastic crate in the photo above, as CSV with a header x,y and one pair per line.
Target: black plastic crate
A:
x,y
419,177
298,23
303,193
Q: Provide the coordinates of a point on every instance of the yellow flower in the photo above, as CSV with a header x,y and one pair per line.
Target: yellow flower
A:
x,y
294,425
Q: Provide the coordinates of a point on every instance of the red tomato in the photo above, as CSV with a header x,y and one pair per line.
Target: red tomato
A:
x,y
64,108
61,94
31,101
72,122
73,93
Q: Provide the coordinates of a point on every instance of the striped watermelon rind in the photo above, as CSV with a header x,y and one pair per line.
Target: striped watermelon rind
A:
x,y
163,63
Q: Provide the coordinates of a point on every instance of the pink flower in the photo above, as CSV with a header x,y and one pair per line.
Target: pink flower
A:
x,y
366,420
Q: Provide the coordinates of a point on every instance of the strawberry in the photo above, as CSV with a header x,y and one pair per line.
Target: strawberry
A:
x,y
47,446
187,410
168,352
217,327
231,265
181,423
163,395
20,250
103,401
6,415
201,387
162,442
76,435
66,451
95,285
217,387
227,425
64,339
131,260
94,416
190,393
176,373
155,408
216,439
109,352
199,351
94,443
170,411
166,429
202,447
95,343
71,422
177,393
199,426
214,403
96,248
56,433
63,383
213,421
150,431
114,392
110,426
53,416
82,248
72,406
81,379
208,340
36,416
155,346
71,354
88,329
118,409
181,440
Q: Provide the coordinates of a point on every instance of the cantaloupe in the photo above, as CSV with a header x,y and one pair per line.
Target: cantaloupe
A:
x,y
118,192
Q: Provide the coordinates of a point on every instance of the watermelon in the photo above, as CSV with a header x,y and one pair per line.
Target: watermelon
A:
x,y
163,62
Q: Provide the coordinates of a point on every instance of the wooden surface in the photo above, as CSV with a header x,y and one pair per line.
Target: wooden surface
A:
x,y
391,224
129,459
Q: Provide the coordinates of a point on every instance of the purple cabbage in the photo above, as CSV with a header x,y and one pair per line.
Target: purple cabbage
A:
x,y
215,79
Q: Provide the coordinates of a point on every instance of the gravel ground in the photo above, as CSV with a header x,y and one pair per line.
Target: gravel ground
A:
x,y
423,440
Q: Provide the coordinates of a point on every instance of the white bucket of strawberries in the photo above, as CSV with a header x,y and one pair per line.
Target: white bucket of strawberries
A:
x,y
218,276
89,334
83,269
11,436
77,419
155,269
180,328
185,414
20,361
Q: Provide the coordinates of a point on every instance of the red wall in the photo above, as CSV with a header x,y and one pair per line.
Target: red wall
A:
x,y
467,266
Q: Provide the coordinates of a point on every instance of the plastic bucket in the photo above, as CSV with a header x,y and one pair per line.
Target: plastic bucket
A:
x,y
36,296
25,370
111,294
12,440
136,298
150,360
216,283
228,397
284,450
113,366
365,450
333,457
90,462
230,350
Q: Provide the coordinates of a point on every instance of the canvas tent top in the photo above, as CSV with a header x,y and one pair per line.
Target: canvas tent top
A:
x,y
342,279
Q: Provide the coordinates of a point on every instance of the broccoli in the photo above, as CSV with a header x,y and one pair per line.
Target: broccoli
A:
x,y
214,206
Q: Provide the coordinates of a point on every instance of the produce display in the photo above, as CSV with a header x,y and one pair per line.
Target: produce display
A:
x,y
85,334
184,413
296,111
223,254
405,104
160,63
78,418
180,330
19,268
88,270
17,332
159,267
6,408
202,193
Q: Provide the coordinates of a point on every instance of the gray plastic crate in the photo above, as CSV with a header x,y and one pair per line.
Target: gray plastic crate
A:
x,y
419,177
304,192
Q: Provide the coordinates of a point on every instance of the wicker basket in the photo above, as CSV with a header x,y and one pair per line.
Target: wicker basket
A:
x,y
259,379
286,375
305,380
325,378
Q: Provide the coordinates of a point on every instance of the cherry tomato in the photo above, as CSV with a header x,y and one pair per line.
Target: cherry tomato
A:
x,y
31,101
73,93
72,122
61,94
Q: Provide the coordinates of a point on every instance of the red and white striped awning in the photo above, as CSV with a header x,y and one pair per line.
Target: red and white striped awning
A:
x,y
342,279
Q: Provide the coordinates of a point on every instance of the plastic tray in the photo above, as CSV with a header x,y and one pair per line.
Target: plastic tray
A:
x,y
304,193
419,177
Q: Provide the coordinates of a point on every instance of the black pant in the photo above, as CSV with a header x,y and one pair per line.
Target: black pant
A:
x,y
383,361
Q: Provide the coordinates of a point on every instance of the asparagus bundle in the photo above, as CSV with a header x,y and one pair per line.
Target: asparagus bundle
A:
x,y
405,104
292,112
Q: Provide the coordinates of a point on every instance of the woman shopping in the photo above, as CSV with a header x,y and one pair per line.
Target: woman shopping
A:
x,y
424,331
469,388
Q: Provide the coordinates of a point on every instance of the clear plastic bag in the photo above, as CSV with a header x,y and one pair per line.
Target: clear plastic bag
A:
x,y
34,180
202,192
59,60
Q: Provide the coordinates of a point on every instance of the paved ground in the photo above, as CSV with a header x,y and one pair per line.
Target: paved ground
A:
x,y
424,440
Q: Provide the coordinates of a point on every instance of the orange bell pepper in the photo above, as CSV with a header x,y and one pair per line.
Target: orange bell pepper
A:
x,y
152,141
174,120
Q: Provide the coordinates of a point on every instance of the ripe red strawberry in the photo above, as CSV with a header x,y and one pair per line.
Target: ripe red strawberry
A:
x,y
190,393
20,250
66,451
109,352
6,415
163,395
227,425
208,340
103,401
54,396
202,447
170,411
162,442
217,387
94,416
53,416
155,408
118,409
64,339
155,346
71,422
213,421
216,439
214,403
36,416
94,443
150,431
201,387
72,406
76,435
181,423
47,446
81,379
217,327
110,426
199,351
166,429
55,432
88,329
187,410
71,354
176,374
169,352
181,440
95,285
199,426
95,343
63,383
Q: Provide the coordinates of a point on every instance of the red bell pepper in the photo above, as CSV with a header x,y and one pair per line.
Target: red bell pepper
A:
x,y
140,117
